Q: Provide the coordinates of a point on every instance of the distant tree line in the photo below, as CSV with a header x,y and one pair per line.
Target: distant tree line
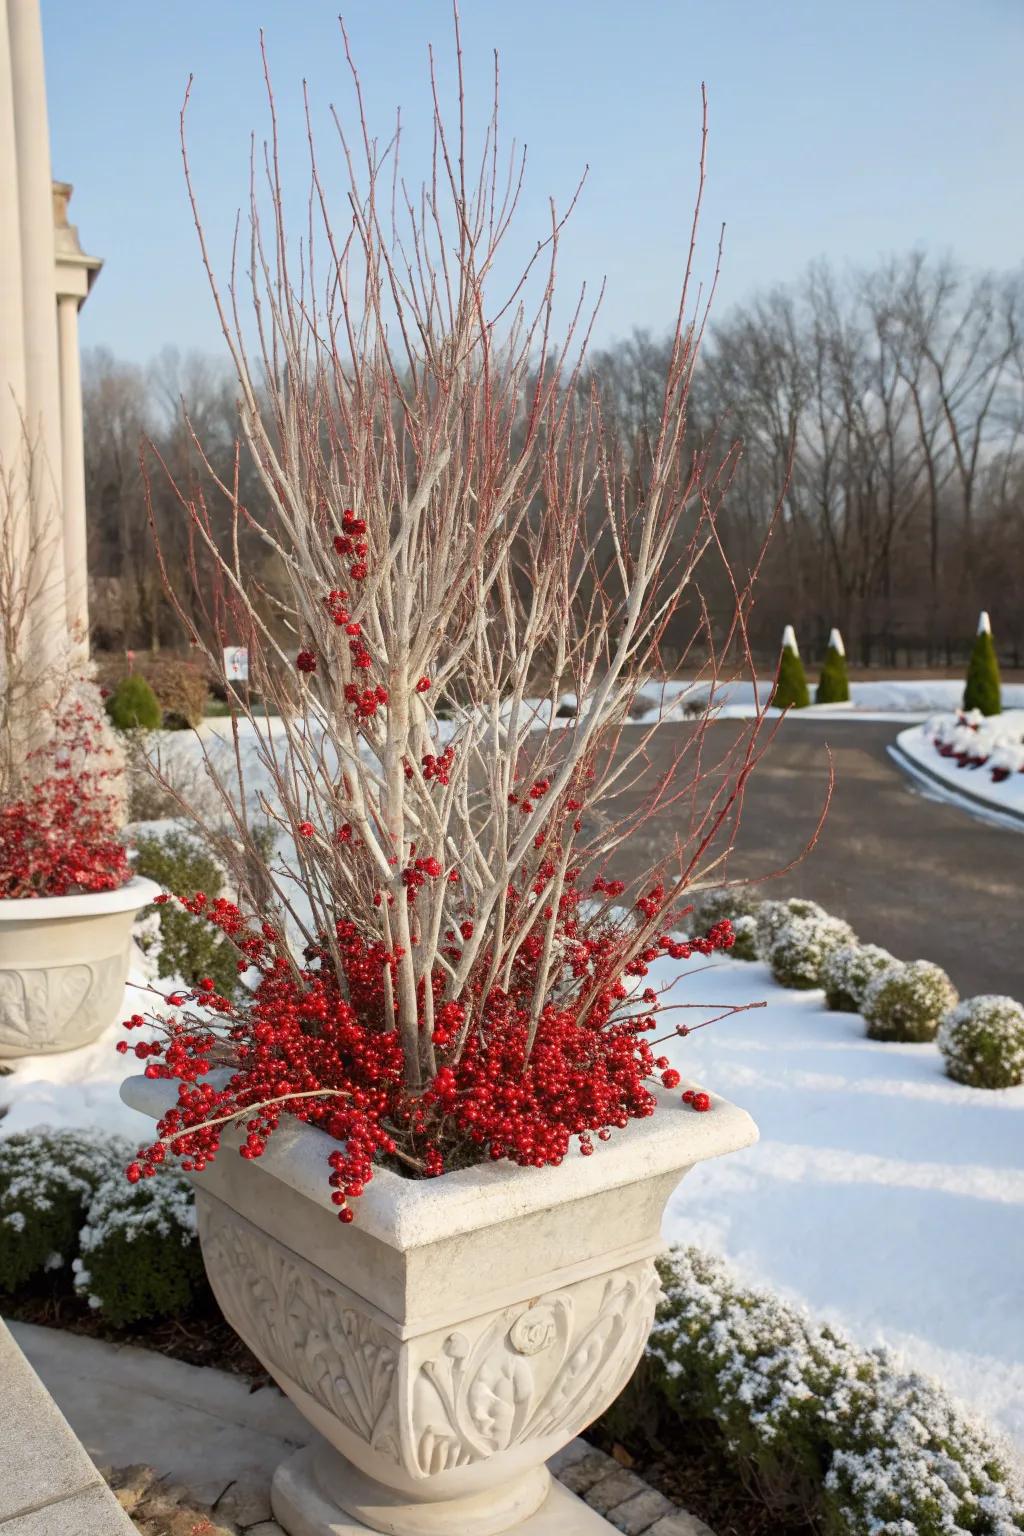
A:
x,y
882,410
894,398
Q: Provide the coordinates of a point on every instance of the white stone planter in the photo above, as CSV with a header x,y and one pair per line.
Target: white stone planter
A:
x,y
63,964
459,1332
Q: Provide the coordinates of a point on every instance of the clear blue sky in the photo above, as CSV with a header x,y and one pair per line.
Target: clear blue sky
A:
x,y
841,128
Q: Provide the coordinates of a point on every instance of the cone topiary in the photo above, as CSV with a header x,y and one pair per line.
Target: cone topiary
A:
x,y
133,705
834,683
791,691
982,690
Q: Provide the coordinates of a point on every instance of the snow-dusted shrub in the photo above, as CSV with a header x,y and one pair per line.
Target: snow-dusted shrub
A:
x,y
847,971
836,1435
47,1179
713,904
139,1250
908,1001
982,1042
745,947
911,1460
798,953
772,917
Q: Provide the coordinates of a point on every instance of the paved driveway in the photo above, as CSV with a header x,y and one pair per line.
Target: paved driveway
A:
x,y
926,879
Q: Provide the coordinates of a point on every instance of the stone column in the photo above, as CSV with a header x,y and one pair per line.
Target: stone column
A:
x,y
42,379
12,336
75,274
76,569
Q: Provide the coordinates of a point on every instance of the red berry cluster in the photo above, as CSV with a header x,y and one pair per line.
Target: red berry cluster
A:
x,y
60,838
366,701
439,767
498,1080
351,543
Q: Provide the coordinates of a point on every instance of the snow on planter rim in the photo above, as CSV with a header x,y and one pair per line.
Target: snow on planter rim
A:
x,y
138,893
406,1213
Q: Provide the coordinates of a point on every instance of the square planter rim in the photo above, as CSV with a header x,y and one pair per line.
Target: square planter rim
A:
x,y
137,892
409,1213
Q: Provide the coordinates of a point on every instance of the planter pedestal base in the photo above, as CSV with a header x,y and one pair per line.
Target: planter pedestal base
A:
x,y
303,1509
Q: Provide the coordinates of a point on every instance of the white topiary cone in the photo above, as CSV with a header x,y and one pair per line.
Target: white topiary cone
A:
x,y
789,640
984,623
835,641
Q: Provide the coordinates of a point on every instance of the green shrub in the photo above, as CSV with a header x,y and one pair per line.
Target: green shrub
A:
x,y
982,688
847,971
181,690
745,947
982,1042
190,948
714,903
47,1179
800,949
133,705
772,917
139,1251
791,691
834,683
907,1002
829,1433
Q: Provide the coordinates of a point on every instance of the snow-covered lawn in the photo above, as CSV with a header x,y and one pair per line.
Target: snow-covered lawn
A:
x,y
994,746
881,1194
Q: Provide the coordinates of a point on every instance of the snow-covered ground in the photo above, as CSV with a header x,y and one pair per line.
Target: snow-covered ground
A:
x,y
897,698
884,1196
996,743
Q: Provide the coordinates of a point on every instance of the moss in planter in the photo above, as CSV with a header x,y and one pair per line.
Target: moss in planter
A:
x,y
47,1179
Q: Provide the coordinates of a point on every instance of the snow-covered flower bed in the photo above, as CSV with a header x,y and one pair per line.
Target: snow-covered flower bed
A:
x,y
983,756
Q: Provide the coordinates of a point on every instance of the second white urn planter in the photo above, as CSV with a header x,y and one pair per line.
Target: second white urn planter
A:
x,y
459,1332
63,966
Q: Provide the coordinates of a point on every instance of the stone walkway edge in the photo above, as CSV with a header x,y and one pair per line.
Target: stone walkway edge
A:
x,y
189,1450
